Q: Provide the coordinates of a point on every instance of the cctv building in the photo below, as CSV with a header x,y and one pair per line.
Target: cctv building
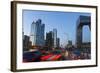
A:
x,y
37,33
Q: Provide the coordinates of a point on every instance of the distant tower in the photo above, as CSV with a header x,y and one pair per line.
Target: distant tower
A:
x,y
58,42
42,34
33,33
55,37
26,43
37,33
49,39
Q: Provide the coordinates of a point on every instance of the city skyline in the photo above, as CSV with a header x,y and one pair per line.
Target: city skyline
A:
x,y
64,22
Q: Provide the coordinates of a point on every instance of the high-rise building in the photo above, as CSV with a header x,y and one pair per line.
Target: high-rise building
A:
x,y
49,39
58,42
55,37
26,43
37,33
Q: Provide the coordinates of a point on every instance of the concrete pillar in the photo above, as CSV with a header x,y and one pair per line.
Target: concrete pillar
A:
x,y
79,36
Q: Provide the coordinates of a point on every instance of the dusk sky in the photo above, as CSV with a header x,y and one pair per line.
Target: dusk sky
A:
x,y
64,22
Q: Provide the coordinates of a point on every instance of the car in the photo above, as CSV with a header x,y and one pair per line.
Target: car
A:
x,y
51,57
31,56
57,52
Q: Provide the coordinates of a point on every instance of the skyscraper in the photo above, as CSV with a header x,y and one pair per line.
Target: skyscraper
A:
x,y
26,43
58,42
42,34
55,37
51,39
37,33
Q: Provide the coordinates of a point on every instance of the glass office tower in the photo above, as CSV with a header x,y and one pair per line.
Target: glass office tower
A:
x,y
37,33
